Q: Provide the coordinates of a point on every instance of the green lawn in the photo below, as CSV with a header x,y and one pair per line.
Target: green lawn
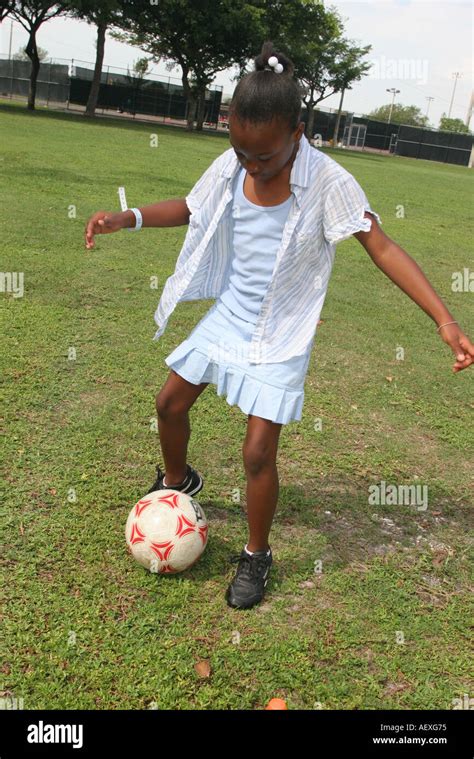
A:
x,y
88,627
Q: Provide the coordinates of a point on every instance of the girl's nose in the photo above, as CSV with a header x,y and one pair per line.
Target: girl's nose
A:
x,y
252,167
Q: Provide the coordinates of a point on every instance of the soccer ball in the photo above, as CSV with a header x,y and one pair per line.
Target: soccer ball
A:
x,y
166,531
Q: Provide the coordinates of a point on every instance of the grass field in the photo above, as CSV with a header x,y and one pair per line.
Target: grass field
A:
x,y
385,624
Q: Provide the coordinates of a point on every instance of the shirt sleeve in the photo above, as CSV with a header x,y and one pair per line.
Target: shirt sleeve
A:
x,y
344,210
203,187
196,197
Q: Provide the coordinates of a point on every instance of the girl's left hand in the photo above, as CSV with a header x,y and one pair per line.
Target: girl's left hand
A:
x,y
460,344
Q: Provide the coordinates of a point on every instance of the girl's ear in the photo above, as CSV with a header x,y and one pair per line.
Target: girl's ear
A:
x,y
299,130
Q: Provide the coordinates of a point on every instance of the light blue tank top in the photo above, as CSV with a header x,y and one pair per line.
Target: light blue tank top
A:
x,y
257,234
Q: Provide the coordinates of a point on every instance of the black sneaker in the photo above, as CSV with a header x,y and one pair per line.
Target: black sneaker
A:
x,y
191,484
248,586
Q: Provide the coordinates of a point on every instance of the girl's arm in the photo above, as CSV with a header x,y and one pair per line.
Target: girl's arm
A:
x,y
405,272
167,213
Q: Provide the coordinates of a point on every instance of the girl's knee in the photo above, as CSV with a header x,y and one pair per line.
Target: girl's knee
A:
x,y
258,457
169,405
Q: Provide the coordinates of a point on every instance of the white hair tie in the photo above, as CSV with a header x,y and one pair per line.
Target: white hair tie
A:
x,y
274,65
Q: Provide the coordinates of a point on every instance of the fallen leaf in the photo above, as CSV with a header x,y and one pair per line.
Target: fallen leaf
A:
x,y
203,668
391,688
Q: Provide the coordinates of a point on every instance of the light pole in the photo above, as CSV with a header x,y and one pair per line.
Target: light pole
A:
x,y
429,99
456,76
470,109
394,92
11,35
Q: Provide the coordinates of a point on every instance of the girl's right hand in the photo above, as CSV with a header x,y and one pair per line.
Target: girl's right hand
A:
x,y
102,223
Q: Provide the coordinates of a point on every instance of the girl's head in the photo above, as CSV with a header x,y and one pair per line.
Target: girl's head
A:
x,y
265,124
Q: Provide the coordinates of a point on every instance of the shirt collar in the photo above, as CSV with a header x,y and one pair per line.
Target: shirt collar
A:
x,y
299,171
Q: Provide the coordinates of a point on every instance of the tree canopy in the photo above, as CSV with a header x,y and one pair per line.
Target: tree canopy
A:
x,y
204,39
325,62
401,114
453,125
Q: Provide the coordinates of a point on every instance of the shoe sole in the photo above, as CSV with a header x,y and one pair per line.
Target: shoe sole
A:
x,y
196,489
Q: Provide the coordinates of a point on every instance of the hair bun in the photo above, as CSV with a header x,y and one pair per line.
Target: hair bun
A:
x,y
262,98
270,57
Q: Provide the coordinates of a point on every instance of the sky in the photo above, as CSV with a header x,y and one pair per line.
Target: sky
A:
x,y
417,46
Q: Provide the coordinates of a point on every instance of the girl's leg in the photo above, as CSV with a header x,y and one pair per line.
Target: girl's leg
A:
x,y
172,405
259,452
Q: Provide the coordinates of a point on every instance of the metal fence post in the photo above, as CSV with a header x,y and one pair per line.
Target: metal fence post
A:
x,y
106,83
11,82
49,82
69,84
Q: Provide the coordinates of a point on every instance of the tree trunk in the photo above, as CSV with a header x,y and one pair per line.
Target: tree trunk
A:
x,y
191,111
190,97
32,53
310,122
338,121
201,110
99,59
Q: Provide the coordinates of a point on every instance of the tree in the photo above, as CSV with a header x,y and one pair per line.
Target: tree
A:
x,y
325,62
136,78
6,8
453,125
202,37
104,15
401,114
31,14
22,55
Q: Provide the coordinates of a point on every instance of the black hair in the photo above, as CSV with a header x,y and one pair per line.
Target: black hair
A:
x,y
263,95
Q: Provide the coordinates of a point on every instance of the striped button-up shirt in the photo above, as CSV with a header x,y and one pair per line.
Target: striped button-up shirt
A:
x,y
328,206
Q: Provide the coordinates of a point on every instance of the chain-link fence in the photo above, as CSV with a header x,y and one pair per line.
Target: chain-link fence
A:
x,y
361,132
67,83
447,147
52,83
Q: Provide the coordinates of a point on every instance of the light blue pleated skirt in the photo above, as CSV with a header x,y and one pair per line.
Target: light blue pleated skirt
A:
x,y
216,351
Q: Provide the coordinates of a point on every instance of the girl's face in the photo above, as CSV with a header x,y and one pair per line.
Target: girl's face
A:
x,y
264,149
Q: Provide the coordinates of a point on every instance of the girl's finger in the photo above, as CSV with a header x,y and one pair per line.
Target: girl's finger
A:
x,y
456,348
466,344
463,364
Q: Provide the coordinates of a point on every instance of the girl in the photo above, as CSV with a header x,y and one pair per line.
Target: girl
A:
x,y
264,220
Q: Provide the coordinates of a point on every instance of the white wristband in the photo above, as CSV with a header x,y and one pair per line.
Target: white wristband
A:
x,y
138,220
